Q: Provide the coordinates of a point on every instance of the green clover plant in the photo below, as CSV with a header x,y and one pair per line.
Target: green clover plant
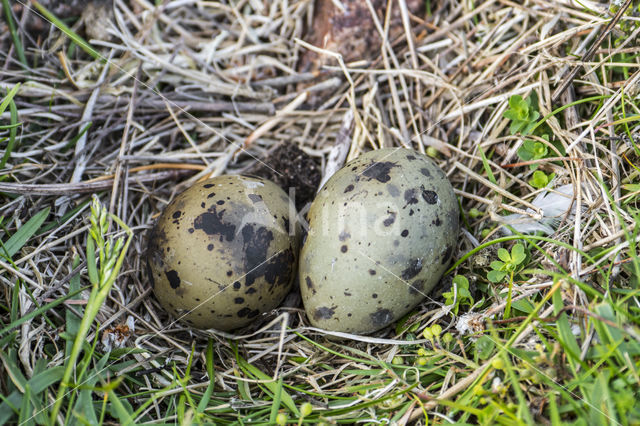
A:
x,y
540,179
533,150
522,113
459,293
507,266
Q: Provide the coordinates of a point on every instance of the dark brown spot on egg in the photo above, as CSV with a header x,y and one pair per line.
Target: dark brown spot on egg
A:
x,y
237,285
229,273
381,317
255,198
250,290
174,279
414,268
379,171
210,247
374,295
425,172
404,232
220,202
211,223
349,188
410,196
437,222
191,230
344,235
389,221
344,249
176,214
247,312
238,300
393,190
209,185
211,195
372,271
411,157
323,313
307,280
416,287
430,196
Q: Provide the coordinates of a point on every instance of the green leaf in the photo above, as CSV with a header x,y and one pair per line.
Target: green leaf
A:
x,y
517,254
503,254
461,281
24,233
121,409
540,179
496,276
523,305
484,347
497,265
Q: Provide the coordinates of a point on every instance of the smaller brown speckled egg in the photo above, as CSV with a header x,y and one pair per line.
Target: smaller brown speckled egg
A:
x,y
224,251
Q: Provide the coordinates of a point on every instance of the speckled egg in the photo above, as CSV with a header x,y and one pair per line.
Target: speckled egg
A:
x,y
381,233
224,251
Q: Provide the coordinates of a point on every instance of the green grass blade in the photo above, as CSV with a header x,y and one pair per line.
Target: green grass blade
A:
x,y
206,396
73,321
26,231
277,398
7,99
26,418
17,43
39,311
13,131
68,31
268,383
121,410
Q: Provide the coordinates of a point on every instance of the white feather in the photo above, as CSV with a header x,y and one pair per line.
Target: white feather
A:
x,y
554,205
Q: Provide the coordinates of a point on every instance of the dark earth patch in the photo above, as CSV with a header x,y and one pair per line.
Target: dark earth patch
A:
x,y
290,167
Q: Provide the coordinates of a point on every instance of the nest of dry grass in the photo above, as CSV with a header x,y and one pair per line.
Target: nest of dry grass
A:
x,y
193,89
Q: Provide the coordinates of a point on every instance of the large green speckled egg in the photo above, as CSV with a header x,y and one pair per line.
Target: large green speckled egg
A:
x,y
224,251
381,233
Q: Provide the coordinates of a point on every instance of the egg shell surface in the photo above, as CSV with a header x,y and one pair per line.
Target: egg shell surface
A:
x,y
224,251
381,234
